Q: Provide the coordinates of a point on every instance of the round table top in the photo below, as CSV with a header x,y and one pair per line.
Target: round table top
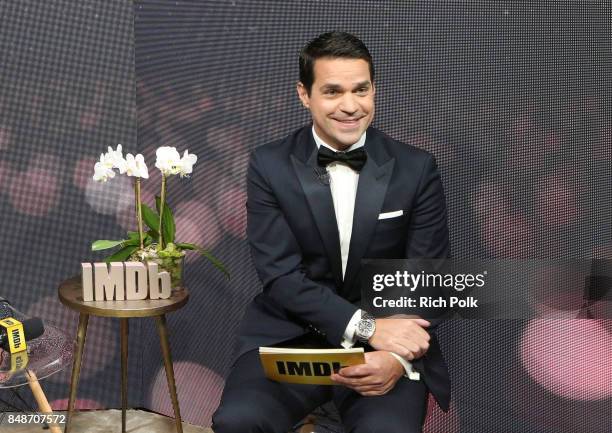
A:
x,y
71,295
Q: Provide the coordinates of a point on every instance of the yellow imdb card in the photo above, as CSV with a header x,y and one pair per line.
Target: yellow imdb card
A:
x,y
307,366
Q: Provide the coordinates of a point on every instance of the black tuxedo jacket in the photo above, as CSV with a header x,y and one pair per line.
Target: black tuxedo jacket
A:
x,y
295,244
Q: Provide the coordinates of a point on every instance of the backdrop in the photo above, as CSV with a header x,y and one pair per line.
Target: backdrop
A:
x,y
512,98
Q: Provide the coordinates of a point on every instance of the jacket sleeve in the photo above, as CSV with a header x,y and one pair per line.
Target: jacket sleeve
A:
x,y
428,231
428,236
278,260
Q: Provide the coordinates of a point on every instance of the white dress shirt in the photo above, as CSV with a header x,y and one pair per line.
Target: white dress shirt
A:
x,y
343,184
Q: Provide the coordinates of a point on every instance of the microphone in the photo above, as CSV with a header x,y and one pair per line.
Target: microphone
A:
x,y
322,175
32,328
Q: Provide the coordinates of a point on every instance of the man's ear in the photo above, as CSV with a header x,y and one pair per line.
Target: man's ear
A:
x,y
373,89
303,94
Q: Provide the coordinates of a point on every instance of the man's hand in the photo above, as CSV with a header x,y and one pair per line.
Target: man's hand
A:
x,y
376,377
406,337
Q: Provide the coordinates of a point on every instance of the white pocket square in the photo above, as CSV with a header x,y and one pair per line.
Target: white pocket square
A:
x,y
387,215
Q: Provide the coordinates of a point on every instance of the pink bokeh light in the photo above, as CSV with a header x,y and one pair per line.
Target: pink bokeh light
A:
x,y
507,235
556,202
552,142
569,358
83,171
226,140
35,192
197,223
438,421
199,392
527,144
488,196
231,207
90,119
196,108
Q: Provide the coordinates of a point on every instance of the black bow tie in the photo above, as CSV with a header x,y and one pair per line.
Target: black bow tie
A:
x,y
355,159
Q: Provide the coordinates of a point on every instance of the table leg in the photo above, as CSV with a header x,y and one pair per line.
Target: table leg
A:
x,y
124,378
76,366
165,346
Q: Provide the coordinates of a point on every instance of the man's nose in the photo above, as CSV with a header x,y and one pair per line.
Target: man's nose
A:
x,y
348,104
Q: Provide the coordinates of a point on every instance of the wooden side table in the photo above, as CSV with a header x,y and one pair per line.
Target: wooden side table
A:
x,y
71,294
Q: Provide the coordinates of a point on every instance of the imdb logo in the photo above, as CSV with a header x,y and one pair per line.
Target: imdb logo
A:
x,y
305,368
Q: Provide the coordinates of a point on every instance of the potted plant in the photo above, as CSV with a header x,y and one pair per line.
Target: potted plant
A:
x,y
157,243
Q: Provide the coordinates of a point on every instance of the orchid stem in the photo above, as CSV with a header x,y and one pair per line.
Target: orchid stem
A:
x,y
139,212
162,199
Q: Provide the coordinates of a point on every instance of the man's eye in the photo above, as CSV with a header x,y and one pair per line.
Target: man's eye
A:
x,y
330,92
362,90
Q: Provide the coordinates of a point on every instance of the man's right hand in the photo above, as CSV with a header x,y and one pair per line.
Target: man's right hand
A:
x,y
406,337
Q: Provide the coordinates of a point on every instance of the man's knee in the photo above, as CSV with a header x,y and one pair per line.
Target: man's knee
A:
x,y
245,418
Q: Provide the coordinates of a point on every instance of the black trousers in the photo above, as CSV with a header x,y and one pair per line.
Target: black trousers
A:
x,y
251,403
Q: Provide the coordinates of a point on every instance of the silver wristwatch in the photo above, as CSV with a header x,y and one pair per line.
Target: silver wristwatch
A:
x,y
365,327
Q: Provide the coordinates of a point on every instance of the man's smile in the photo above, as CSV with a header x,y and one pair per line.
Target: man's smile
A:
x,y
348,123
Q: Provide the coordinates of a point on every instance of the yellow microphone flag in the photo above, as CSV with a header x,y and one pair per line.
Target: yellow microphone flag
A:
x,y
15,334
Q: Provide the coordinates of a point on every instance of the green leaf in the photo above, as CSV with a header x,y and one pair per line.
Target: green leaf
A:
x,y
153,235
135,240
212,259
129,242
104,244
122,254
168,227
186,246
150,217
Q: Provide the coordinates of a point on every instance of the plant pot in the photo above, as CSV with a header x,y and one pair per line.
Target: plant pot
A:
x,y
175,267
174,264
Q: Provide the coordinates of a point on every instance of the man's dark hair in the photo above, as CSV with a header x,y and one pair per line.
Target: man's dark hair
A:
x,y
331,45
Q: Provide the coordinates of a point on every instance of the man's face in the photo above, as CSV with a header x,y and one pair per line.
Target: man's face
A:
x,y
341,100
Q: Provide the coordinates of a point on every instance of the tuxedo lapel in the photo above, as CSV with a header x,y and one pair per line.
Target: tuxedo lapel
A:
x,y
371,190
319,197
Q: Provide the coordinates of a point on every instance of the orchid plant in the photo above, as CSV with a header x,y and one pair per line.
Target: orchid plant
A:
x,y
157,243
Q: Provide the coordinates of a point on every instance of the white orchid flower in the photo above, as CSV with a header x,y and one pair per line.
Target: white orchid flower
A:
x,y
186,163
168,160
121,165
103,170
115,157
135,166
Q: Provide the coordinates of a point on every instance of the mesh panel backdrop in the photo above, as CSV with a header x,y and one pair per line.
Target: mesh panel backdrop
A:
x,y
513,98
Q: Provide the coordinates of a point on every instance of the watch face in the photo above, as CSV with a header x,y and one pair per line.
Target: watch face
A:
x,y
366,327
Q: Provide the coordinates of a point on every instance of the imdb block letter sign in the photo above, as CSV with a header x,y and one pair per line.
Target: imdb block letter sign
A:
x,y
119,281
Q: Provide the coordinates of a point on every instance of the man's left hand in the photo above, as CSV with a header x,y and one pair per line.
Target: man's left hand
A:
x,y
376,377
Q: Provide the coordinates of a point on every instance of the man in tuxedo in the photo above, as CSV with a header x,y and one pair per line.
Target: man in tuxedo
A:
x,y
319,201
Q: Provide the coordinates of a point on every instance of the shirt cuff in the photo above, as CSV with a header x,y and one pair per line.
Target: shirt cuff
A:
x,y
411,373
348,339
